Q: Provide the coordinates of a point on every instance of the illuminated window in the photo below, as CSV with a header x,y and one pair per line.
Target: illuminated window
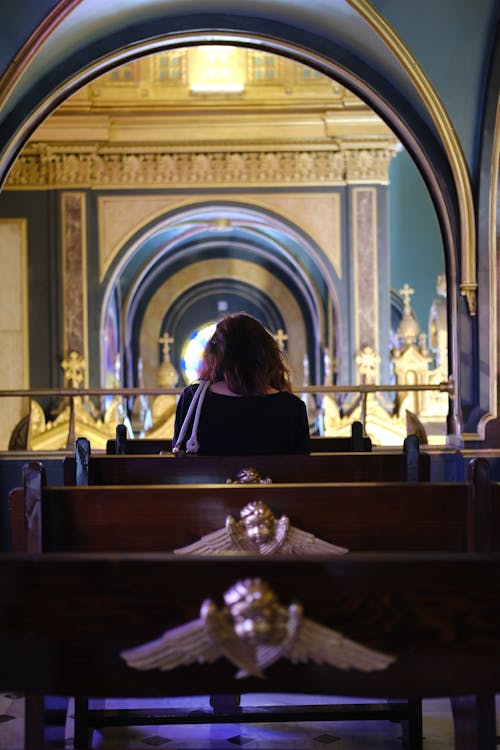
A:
x,y
193,349
308,74
170,67
263,67
216,68
123,74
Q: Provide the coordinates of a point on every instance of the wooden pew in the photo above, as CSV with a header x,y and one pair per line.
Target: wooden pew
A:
x,y
356,442
137,519
122,444
408,464
66,619
375,516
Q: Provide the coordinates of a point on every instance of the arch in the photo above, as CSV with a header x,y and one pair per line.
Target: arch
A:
x,y
199,234
208,301
365,55
356,19
213,269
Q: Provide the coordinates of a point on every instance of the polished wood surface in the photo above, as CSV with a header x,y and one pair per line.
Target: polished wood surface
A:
x,y
421,516
122,444
392,516
174,469
64,619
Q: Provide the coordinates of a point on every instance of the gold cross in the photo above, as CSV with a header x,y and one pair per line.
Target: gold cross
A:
x,y
73,366
406,292
280,337
166,340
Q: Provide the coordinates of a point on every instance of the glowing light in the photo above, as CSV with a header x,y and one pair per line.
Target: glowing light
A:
x,y
216,68
193,350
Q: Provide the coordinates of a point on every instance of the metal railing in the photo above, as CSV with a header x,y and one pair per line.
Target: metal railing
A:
x,y
363,389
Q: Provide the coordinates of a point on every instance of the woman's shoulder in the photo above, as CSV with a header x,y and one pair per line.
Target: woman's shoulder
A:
x,y
290,395
188,392
291,398
193,387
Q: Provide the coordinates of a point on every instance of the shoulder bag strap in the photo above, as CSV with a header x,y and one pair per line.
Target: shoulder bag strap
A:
x,y
192,444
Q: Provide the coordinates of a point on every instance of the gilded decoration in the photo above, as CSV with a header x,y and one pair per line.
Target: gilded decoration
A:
x,y
73,416
259,532
249,475
45,166
413,362
253,630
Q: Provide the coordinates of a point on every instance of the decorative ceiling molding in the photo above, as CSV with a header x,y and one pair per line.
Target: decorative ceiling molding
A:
x,y
82,166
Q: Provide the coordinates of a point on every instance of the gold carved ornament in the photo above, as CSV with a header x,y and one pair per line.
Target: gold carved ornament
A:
x,y
259,532
249,475
253,631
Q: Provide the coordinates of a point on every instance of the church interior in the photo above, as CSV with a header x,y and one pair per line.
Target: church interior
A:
x,y
329,168
167,225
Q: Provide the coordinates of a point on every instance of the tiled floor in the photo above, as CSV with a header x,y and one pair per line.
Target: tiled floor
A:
x,y
365,735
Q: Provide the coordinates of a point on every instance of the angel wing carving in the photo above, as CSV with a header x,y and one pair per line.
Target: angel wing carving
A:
x,y
253,631
184,645
325,646
216,543
203,640
300,542
259,532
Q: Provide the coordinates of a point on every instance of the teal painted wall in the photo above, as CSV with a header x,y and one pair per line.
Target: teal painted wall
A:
x,y
448,38
417,256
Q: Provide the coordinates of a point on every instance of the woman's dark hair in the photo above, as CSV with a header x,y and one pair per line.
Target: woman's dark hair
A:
x,y
245,356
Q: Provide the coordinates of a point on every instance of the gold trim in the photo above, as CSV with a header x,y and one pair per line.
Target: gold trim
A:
x,y
468,286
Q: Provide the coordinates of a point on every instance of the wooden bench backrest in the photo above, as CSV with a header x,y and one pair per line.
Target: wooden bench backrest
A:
x,y
122,444
408,464
65,619
396,516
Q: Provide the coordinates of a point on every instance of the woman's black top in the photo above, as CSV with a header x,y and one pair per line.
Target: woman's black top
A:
x,y
272,423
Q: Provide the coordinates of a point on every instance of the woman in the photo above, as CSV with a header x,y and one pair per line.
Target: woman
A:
x,y
249,406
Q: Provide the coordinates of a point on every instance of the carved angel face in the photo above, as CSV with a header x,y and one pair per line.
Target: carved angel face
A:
x,y
259,522
256,613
